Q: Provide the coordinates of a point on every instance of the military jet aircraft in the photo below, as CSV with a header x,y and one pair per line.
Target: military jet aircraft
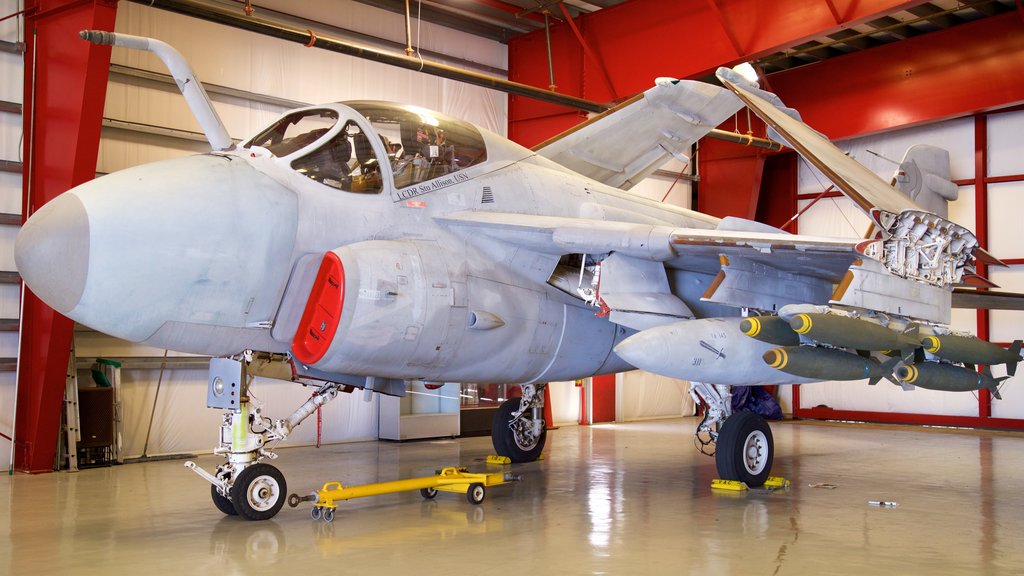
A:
x,y
367,244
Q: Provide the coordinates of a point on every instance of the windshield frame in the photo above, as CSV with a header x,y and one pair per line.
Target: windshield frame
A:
x,y
345,116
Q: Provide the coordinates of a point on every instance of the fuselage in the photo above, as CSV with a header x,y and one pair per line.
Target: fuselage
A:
x,y
215,253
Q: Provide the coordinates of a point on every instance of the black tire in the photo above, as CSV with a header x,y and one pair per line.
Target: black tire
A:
x,y
745,449
223,504
259,492
428,493
504,440
476,493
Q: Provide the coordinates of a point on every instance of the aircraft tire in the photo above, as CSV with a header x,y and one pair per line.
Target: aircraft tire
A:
x,y
259,492
504,440
745,449
223,504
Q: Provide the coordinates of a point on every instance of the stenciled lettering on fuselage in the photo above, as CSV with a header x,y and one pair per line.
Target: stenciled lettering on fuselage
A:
x,y
427,187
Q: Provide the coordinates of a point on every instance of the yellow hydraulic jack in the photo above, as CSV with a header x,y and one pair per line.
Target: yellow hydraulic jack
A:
x,y
447,480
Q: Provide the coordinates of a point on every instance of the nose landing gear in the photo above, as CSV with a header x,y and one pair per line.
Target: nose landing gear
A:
x,y
245,486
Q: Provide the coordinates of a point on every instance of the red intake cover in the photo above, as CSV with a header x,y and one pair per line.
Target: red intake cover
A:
x,y
323,311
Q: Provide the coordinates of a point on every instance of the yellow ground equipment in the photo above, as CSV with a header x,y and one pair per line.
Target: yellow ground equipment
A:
x,y
772,483
451,479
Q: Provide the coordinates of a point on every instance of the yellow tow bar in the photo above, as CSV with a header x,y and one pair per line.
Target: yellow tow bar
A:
x,y
451,479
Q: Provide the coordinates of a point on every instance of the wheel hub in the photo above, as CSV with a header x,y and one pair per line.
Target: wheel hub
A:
x,y
263,493
755,452
522,434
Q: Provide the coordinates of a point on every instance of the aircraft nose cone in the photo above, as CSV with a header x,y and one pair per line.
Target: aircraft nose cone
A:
x,y
52,252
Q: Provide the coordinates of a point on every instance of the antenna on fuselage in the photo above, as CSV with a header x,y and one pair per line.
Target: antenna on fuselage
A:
x,y
193,91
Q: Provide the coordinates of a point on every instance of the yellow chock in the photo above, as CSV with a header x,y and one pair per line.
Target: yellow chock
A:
x,y
732,485
776,482
498,460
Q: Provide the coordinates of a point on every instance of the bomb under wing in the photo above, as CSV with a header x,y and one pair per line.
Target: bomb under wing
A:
x,y
847,332
771,329
712,350
936,376
828,364
971,350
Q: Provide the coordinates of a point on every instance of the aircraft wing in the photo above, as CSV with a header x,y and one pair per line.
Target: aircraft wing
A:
x,y
624,145
693,249
861,185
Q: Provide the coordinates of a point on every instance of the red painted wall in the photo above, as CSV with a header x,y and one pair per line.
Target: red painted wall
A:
x,y
956,72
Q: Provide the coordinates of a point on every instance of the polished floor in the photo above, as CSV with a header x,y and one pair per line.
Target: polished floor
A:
x,y
612,499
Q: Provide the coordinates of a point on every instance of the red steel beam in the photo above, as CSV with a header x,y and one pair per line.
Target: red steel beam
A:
x,y
516,11
834,11
723,23
923,79
65,88
594,58
644,39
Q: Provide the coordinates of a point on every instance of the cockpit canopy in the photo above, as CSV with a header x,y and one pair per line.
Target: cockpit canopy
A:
x,y
355,152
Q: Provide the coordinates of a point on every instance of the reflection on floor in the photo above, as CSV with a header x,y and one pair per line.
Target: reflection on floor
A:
x,y
616,499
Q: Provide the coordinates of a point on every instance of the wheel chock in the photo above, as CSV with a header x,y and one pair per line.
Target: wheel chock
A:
x,y
776,483
730,485
498,460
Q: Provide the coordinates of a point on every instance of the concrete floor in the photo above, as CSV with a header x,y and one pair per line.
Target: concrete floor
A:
x,y
613,499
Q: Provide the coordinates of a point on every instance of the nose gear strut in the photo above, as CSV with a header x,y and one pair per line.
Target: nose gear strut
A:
x,y
244,485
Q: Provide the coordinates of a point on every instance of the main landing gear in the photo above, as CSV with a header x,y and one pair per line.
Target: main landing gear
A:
x,y
245,486
519,430
743,444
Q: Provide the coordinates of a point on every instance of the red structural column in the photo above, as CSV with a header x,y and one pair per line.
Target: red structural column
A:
x,y
981,233
65,88
603,398
730,179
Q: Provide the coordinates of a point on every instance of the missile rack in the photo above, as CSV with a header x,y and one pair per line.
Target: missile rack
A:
x,y
450,479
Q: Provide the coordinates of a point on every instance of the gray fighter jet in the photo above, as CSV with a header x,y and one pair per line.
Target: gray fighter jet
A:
x,y
366,244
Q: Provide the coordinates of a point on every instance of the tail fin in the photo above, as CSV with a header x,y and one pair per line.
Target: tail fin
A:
x,y
1011,367
995,387
887,369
